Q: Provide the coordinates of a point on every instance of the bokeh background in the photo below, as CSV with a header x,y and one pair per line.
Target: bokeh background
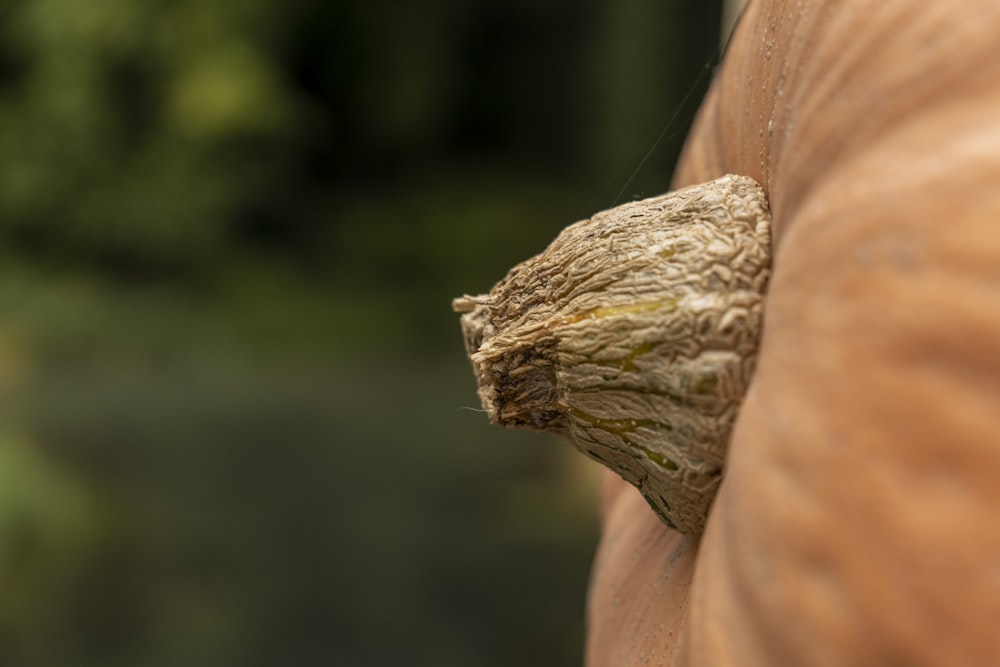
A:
x,y
235,425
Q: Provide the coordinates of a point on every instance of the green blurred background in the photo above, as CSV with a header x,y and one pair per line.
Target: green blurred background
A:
x,y
234,424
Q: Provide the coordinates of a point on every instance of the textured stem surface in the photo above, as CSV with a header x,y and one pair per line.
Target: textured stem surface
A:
x,y
635,334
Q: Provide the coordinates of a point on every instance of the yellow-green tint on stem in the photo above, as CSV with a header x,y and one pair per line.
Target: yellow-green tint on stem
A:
x,y
623,309
618,426
656,457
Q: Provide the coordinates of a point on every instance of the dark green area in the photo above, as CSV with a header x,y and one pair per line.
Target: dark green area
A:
x,y
233,426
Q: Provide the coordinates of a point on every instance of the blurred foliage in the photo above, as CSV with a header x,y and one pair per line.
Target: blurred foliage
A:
x,y
232,427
